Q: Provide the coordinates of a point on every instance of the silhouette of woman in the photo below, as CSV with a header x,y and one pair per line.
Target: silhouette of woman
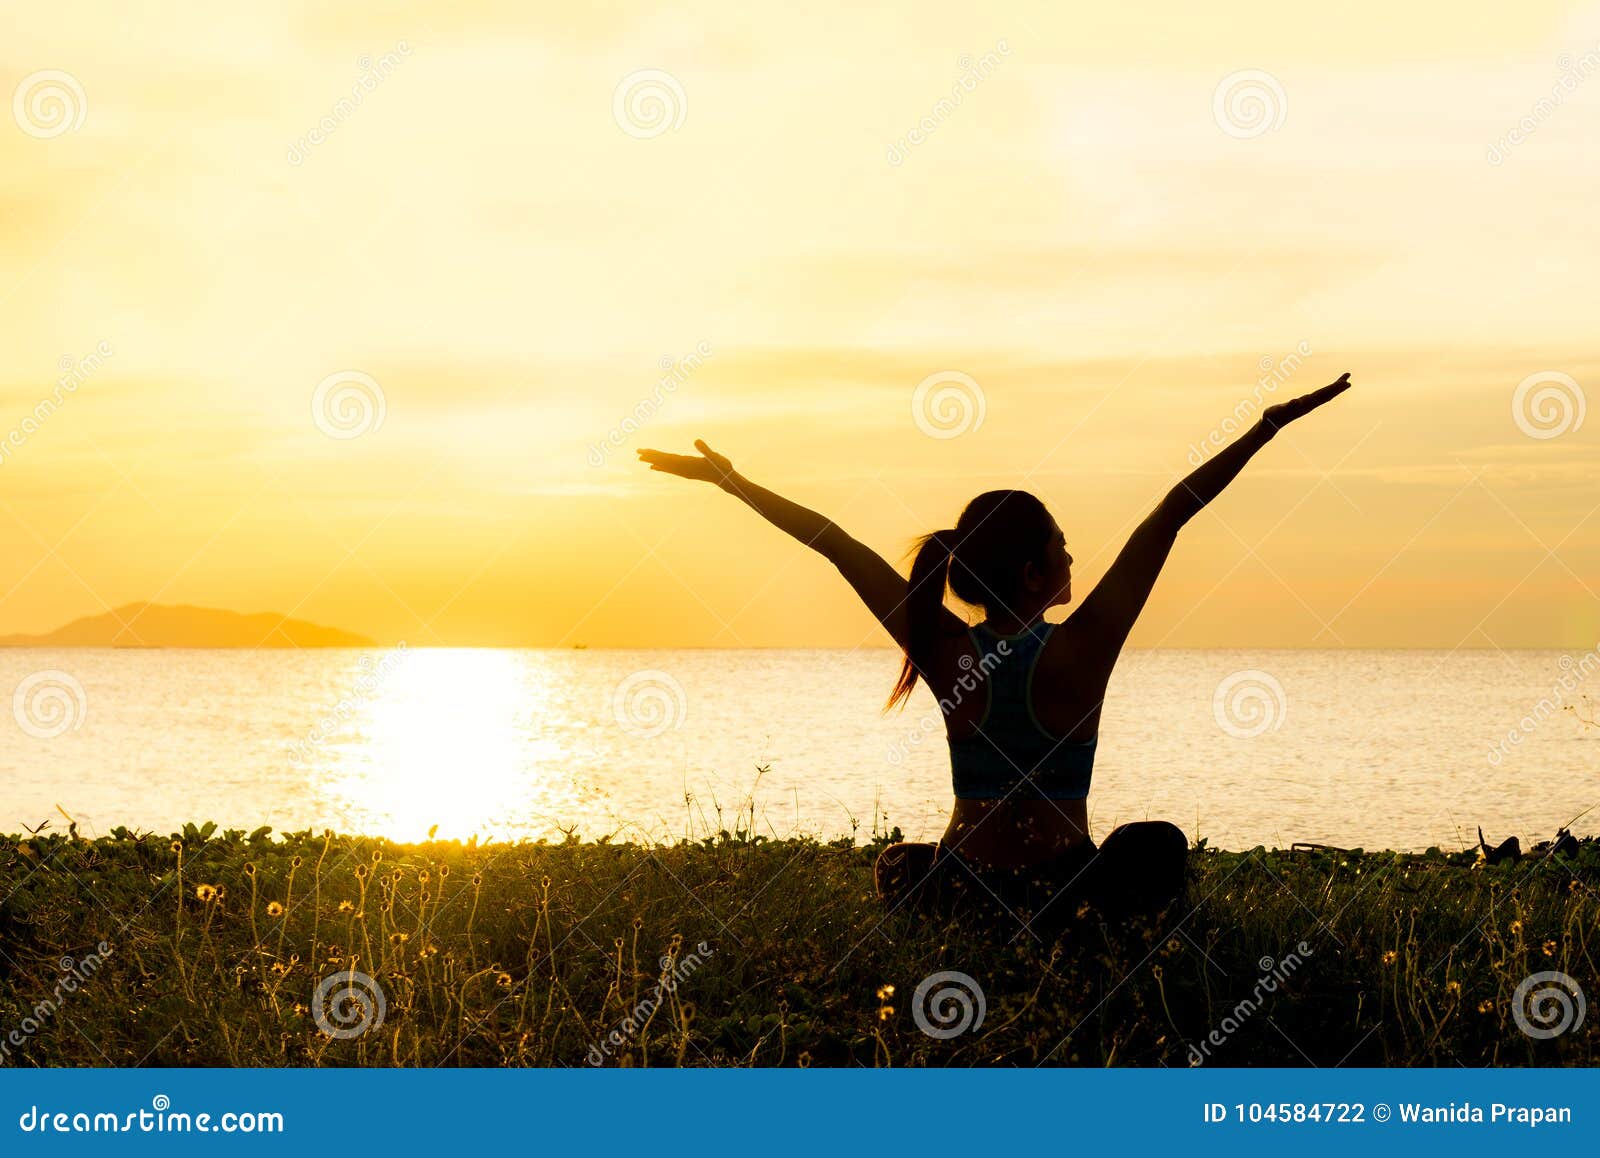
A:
x,y
1020,697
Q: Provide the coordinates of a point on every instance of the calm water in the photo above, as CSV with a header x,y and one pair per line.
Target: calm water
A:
x,y
1374,748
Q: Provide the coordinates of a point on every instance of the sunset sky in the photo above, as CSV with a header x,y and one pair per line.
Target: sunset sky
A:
x,y
511,255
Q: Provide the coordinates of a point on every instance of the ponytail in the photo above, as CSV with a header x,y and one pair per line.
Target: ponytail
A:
x,y
930,571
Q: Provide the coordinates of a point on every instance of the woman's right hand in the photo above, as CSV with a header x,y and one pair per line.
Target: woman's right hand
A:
x,y
1275,418
707,466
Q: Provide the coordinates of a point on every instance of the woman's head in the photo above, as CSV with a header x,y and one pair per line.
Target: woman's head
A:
x,y
1005,554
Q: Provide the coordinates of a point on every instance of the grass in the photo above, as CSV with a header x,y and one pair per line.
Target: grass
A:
x,y
745,951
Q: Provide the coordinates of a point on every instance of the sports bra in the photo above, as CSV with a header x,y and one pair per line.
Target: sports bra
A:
x,y
1012,754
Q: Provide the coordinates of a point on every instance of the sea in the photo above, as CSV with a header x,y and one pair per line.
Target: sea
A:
x,y
1371,749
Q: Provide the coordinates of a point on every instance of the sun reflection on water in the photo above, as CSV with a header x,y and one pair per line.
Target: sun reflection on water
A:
x,y
452,740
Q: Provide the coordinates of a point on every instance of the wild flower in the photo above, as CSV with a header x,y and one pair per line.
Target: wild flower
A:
x,y
274,909
205,893
1390,957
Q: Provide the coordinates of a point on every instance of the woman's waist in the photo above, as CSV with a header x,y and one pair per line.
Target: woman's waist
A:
x,y
1016,833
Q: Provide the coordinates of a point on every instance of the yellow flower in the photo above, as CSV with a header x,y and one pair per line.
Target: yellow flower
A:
x,y
885,992
885,1012
1390,957
346,907
503,980
274,909
1453,987
206,893
1485,1006
1516,927
1549,948
399,938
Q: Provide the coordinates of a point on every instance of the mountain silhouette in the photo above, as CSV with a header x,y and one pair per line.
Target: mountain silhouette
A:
x,y
157,625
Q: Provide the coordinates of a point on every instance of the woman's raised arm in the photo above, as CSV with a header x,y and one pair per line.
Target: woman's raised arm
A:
x,y
1100,626
879,585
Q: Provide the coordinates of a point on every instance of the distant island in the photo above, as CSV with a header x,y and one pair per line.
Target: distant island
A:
x,y
156,625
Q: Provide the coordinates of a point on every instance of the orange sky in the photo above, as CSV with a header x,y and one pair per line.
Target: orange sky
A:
x,y
509,253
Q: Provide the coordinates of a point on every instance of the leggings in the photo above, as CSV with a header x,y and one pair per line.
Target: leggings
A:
x,y
1137,870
